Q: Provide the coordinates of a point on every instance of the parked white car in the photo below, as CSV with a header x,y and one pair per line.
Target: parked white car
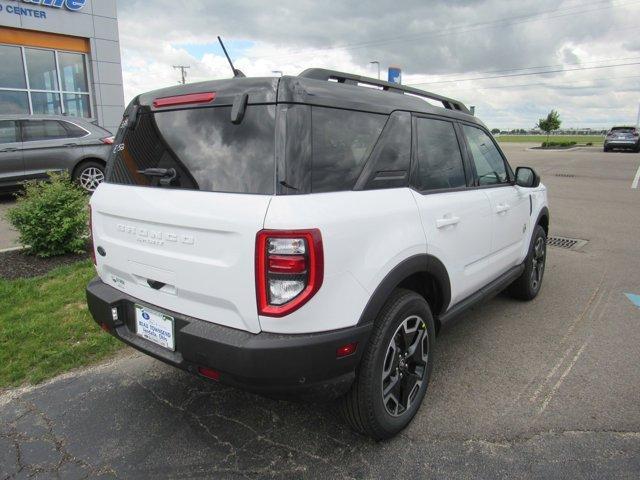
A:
x,y
309,236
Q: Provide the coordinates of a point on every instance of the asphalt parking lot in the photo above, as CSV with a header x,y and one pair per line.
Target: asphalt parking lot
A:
x,y
547,389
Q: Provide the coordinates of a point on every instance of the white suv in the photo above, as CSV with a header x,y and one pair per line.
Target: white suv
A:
x,y
307,235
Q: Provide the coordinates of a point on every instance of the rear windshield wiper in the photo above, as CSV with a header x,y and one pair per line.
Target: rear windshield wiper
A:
x,y
166,175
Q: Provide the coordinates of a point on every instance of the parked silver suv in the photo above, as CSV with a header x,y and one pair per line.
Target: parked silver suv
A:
x,y
33,145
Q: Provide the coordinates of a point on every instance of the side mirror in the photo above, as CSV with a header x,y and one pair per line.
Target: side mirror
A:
x,y
527,177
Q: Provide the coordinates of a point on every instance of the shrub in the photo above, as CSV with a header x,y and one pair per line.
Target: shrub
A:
x,y
558,144
51,217
590,144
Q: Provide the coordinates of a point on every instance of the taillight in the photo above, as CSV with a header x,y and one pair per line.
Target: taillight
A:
x,y
107,140
93,249
289,270
188,99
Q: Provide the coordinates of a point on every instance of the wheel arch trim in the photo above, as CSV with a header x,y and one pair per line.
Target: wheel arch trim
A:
x,y
423,263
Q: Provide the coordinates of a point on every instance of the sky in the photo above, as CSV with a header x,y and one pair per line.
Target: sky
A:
x,y
513,60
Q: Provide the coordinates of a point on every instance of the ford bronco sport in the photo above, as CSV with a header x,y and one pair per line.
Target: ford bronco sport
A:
x,y
308,235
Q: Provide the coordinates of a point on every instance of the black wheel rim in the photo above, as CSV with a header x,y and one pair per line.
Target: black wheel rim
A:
x,y
538,260
405,365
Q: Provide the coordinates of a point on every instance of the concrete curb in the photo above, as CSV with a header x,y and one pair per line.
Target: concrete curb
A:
x,y
572,149
11,249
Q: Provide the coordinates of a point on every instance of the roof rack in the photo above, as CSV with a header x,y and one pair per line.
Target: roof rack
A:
x,y
348,78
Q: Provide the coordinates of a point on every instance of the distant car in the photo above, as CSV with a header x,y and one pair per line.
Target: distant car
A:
x,y
31,146
626,138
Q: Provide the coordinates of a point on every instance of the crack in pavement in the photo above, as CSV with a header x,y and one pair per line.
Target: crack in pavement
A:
x,y
233,451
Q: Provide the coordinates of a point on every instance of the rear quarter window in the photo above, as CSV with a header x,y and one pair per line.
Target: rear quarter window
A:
x,y
206,150
342,141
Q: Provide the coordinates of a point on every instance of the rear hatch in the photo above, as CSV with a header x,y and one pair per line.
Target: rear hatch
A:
x,y
187,191
625,134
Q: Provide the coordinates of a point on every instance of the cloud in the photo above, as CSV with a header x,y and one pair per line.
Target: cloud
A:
x,y
432,41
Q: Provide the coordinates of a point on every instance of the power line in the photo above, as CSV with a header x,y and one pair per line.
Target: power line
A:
x,y
562,70
544,84
508,21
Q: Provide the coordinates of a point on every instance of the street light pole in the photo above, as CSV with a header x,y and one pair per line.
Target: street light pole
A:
x,y
378,64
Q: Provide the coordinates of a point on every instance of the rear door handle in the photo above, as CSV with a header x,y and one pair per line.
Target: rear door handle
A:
x,y
502,208
7,150
447,221
70,144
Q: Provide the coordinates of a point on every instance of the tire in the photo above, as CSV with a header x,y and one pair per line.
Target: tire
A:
x,y
528,285
606,149
405,319
89,175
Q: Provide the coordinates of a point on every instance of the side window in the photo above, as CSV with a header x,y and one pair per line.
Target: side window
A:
x,y
389,163
9,132
490,165
342,141
74,131
33,130
439,158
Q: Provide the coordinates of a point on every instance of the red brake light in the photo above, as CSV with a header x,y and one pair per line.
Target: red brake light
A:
x,y
287,263
190,98
107,140
289,270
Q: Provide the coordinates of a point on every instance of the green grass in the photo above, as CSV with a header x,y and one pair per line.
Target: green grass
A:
x,y
46,328
579,139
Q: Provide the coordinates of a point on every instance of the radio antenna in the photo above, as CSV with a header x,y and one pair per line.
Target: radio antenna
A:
x,y
236,73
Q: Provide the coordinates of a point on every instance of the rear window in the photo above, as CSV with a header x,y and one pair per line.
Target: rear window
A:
x,y
33,130
342,141
623,129
205,150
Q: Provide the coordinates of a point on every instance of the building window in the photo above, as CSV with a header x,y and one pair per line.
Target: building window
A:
x,y
39,81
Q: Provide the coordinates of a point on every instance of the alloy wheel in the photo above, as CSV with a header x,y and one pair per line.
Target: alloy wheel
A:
x,y
405,365
538,261
90,178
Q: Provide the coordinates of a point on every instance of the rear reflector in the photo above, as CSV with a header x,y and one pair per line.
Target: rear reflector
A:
x,y
347,350
191,98
209,373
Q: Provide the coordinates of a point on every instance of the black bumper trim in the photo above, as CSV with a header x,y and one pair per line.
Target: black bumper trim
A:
x,y
304,365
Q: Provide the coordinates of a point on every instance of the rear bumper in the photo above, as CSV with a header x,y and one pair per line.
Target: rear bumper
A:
x,y
304,366
621,144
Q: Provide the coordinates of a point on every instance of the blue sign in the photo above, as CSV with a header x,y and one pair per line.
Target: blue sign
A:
x,y
73,5
395,75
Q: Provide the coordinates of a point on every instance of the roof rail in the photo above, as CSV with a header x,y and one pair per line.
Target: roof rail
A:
x,y
350,79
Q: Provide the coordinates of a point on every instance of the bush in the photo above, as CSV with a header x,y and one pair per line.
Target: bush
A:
x,y
558,144
590,144
51,217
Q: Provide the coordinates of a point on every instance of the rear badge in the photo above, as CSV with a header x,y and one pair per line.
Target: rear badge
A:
x,y
118,282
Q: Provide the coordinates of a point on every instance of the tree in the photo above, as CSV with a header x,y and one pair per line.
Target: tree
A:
x,y
495,131
549,124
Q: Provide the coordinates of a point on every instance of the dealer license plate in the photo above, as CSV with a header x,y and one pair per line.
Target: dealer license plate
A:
x,y
155,327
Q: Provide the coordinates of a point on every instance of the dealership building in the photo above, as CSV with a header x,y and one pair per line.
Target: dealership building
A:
x,y
61,57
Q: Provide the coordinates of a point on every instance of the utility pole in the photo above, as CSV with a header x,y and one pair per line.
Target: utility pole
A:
x,y
378,64
183,71
638,120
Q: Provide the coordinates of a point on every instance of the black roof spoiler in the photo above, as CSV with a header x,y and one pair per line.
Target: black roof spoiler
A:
x,y
350,79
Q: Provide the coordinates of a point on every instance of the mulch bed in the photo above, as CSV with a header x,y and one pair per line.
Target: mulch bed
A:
x,y
17,264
